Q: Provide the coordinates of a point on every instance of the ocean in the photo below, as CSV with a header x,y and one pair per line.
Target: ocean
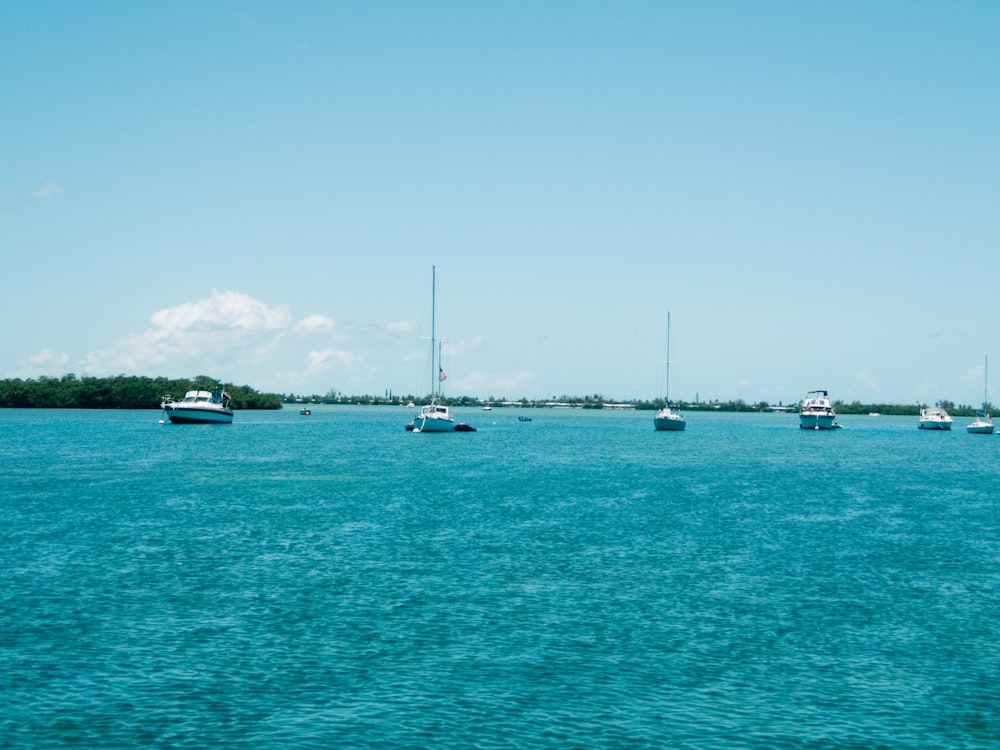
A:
x,y
576,581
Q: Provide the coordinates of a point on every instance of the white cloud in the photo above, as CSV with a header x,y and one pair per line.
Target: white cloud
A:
x,y
46,362
48,357
973,374
492,384
49,190
239,339
866,380
314,324
223,334
925,389
461,346
223,311
322,361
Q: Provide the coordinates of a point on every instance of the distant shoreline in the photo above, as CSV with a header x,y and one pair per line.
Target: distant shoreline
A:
x,y
141,392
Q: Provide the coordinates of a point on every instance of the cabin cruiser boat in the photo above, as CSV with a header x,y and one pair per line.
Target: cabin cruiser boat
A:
x,y
934,418
817,412
199,407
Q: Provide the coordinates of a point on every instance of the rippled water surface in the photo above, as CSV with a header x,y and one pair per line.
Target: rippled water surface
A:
x,y
578,580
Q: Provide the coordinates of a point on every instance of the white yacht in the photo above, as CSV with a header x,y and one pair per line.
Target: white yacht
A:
x,y
199,407
817,412
934,418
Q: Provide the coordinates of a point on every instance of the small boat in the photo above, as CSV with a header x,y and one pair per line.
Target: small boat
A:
x,y
934,418
199,407
667,418
487,408
435,416
983,424
817,412
523,419
305,412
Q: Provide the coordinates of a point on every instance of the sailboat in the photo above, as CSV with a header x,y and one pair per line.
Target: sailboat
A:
x,y
983,424
667,418
436,417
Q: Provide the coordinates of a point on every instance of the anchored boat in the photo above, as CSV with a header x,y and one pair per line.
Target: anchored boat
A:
x,y
435,416
199,407
667,418
983,424
934,418
817,412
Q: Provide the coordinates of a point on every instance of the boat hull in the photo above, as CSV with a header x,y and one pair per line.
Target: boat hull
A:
x,y
933,425
981,425
672,423
981,429
818,421
934,418
433,424
817,412
189,415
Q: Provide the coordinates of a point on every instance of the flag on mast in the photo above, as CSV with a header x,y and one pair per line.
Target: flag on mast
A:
x,y
441,375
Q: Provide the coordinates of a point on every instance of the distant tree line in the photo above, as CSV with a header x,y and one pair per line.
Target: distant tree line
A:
x,y
597,401
907,410
135,392
119,392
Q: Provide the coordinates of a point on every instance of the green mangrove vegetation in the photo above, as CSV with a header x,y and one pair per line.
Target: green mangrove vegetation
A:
x,y
137,392
119,392
599,401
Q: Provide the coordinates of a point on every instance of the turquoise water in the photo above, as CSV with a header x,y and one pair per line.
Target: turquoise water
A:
x,y
579,580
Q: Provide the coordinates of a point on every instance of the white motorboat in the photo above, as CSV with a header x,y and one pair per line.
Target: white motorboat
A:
x,y
934,418
983,423
199,407
667,418
817,412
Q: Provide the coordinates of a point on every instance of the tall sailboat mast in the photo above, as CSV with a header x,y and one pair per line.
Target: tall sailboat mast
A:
x,y
667,394
667,418
986,379
433,295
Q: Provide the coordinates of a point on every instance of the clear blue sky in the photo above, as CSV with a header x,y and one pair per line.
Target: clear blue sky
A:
x,y
258,190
